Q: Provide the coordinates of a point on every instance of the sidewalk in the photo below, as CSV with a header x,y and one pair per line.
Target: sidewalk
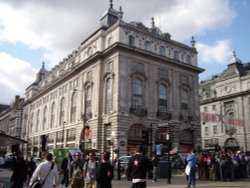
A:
x,y
178,181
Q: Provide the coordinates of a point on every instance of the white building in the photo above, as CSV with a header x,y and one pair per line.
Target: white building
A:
x,y
225,108
125,84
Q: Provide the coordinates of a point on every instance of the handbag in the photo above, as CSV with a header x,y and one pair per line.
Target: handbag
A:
x,y
37,183
187,170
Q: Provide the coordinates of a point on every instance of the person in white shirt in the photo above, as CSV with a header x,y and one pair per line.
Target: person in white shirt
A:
x,y
42,170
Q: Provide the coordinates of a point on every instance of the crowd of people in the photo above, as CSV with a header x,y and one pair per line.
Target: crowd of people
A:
x,y
224,166
76,171
86,172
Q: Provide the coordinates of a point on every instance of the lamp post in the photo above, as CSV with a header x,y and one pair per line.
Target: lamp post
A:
x,y
63,128
168,162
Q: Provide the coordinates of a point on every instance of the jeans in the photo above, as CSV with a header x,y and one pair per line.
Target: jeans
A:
x,y
191,177
155,170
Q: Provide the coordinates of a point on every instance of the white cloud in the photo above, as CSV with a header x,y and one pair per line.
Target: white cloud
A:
x,y
59,26
195,17
219,53
15,76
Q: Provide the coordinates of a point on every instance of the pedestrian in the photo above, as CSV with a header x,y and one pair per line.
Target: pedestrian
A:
x,y
31,166
138,167
19,175
65,169
192,162
155,161
105,172
77,171
89,171
46,172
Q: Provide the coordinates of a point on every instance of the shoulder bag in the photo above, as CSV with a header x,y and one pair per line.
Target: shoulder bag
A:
x,y
37,183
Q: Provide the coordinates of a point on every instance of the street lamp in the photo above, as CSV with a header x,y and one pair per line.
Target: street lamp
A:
x,y
168,163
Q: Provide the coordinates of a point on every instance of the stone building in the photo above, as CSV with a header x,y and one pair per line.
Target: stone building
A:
x,y
125,85
225,109
11,122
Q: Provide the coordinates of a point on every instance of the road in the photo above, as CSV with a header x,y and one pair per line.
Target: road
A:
x,y
178,181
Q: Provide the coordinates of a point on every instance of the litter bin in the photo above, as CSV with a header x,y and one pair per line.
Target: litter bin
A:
x,y
163,171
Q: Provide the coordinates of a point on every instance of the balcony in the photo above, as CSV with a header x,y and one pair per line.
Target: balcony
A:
x,y
138,111
164,115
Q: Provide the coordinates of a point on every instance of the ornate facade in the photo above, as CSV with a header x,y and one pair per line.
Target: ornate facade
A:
x,y
123,86
225,108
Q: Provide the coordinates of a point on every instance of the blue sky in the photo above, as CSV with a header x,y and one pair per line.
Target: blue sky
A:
x,y
35,31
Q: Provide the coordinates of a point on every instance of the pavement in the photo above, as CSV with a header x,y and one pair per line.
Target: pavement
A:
x,y
178,180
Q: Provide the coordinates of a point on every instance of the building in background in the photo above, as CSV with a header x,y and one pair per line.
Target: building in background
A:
x,y
126,84
225,108
11,123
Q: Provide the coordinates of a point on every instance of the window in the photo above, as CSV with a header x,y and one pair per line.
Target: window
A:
x,y
89,75
206,131
37,120
162,101
131,40
109,95
109,41
184,99
147,45
45,117
213,107
135,131
215,131
176,55
62,111
188,59
88,95
73,107
137,92
52,117
163,73
205,108
31,122
162,51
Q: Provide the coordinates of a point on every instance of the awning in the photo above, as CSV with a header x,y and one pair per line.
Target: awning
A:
x,y
6,140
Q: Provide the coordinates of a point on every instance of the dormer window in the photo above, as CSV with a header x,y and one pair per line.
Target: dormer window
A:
x,y
176,55
131,40
147,45
188,59
162,51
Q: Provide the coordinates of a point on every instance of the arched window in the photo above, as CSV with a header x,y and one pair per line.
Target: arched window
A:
x,y
162,51
31,123
131,40
88,100
176,55
137,92
62,111
45,110
37,120
109,95
184,99
188,59
147,45
53,114
162,100
73,107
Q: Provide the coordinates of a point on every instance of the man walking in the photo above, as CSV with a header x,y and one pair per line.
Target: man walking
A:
x,y
138,166
46,172
192,162
65,169
77,171
89,171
